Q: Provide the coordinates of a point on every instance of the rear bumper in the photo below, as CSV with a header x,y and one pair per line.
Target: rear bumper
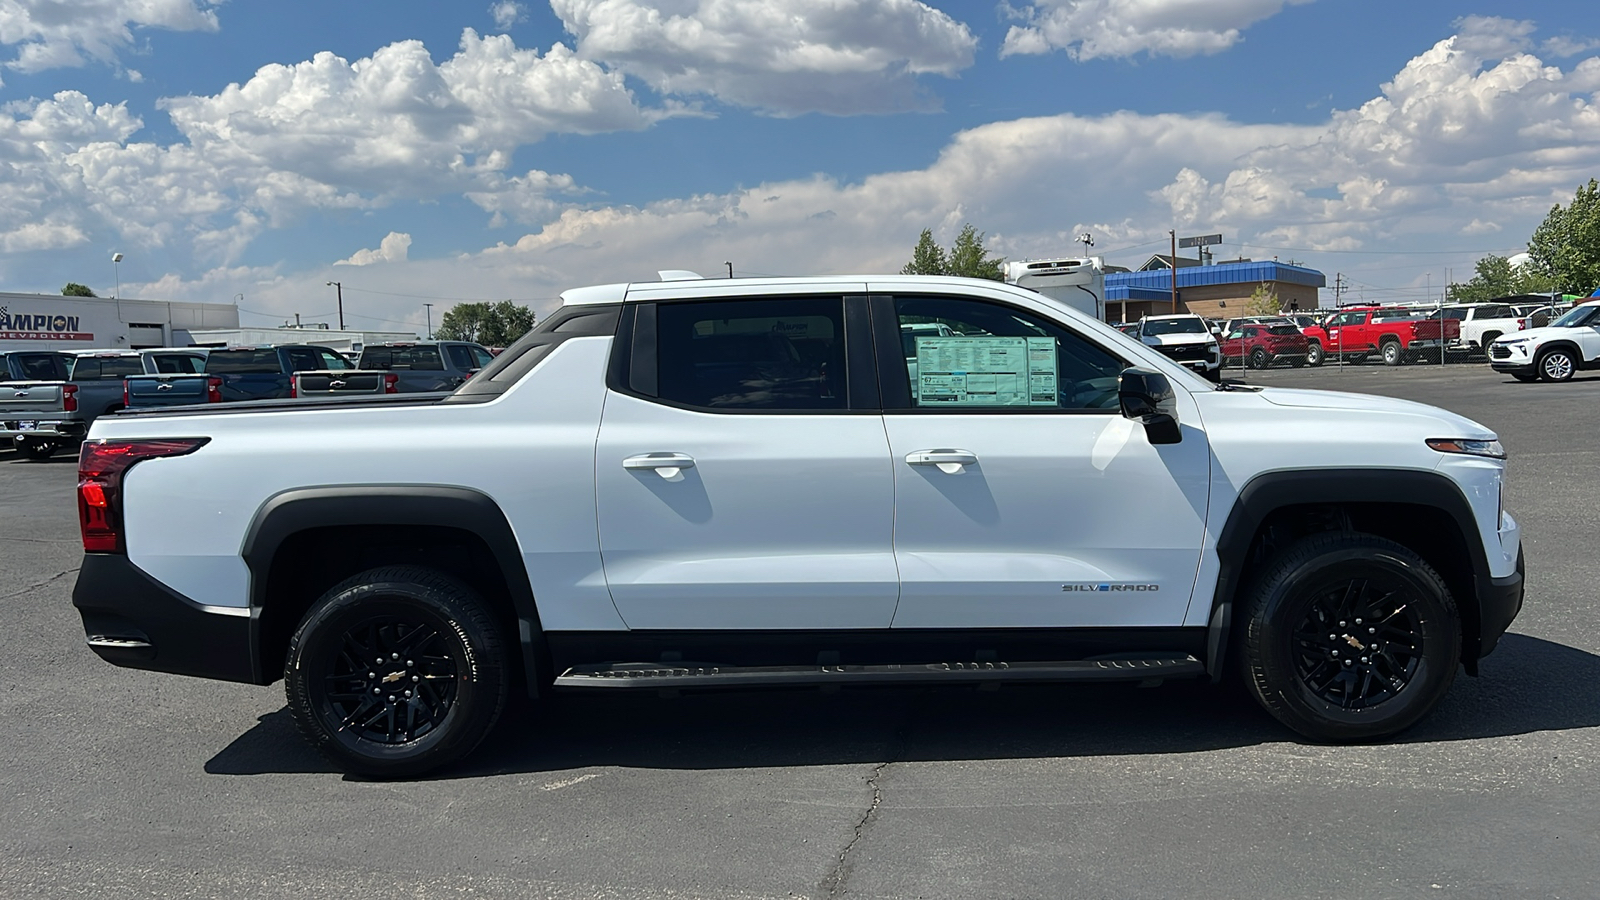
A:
x,y
1499,601
132,620
67,430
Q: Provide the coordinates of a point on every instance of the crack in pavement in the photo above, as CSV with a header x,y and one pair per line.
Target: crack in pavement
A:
x,y
834,883
33,587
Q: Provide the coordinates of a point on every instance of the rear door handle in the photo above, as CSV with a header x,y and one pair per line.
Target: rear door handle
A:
x,y
949,462
667,465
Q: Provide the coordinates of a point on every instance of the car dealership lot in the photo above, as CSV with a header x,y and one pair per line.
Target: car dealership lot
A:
x,y
138,784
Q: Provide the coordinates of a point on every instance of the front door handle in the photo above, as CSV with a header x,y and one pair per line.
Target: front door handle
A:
x,y
667,465
949,462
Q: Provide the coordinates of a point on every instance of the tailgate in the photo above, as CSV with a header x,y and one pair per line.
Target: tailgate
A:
x,y
28,401
342,383
145,391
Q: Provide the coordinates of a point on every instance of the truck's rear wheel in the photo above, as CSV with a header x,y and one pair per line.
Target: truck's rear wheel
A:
x,y
1391,353
1350,637
396,671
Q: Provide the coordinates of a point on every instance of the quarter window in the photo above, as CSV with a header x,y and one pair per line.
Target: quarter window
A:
x,y
962,354
777,354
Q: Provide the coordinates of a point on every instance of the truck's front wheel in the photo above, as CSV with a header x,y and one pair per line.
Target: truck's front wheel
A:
x,y
396,671
1350,637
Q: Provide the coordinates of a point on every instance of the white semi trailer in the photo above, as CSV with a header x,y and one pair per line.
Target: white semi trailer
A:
x,y
1079,282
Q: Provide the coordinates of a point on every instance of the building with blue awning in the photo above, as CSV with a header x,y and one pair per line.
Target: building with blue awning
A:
x,y
1217,291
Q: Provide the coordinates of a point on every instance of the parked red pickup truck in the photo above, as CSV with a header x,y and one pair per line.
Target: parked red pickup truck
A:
x,y
1394,335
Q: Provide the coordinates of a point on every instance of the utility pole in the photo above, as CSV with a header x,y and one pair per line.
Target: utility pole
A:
x,y
339,287
1173,260
430,320
1339,287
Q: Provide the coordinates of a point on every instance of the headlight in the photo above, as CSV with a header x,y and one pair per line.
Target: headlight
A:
x,y
1521,340
1491,449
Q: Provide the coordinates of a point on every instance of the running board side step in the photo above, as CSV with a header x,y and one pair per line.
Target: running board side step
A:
x,y
692,675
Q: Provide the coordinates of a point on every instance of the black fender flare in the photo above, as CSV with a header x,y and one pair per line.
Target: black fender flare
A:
x,y
1272,491
465,509
1567,345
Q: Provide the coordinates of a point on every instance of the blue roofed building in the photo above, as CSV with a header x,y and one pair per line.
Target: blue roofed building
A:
x,y
1216,291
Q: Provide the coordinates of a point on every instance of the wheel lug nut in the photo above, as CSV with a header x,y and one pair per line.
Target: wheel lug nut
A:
x,y
1372,631
391,698
1348,663
1333,637
1363,660
1358,621
409,663
394,656
380,660
376,691
372,674
1335,653
416,678
408,693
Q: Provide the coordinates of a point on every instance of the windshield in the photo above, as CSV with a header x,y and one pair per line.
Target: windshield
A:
x,y
1579,316
1175,326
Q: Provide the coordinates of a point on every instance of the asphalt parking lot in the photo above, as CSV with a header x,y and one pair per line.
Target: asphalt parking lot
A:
x,y
129,784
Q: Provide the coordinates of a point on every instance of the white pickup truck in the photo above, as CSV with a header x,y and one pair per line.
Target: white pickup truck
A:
x,y
1482,324
738,483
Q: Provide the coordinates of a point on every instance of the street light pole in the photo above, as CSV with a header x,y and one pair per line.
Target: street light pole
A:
x,y
116,265
339,288
430,320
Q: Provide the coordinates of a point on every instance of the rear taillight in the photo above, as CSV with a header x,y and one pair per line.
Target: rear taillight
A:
x,y
391,383
124,393
213,390
294,388
69,398
101,465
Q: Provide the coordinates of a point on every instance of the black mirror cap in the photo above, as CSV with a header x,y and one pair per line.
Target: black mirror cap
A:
x,y
1145,392
1146,396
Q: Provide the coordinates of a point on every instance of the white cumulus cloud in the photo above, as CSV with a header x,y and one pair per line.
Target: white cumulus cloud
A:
x,y
507,13
784,57
392,249
1090,29
51,34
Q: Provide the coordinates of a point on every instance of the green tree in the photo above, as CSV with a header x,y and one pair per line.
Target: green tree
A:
x,y
967,257
490,324
927,258
74,289
1566,245
1263,302
1496,277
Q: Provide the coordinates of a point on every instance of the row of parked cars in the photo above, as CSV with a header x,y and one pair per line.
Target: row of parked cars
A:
x,y
1396,335
49,398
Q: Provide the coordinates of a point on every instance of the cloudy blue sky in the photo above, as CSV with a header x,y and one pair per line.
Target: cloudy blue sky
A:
x,y
434,152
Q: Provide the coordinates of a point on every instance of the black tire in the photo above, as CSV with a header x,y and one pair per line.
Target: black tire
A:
x,y
1391,353
1557,365
1314,354
1213,375
435,636
39,450
1258,359
1299,672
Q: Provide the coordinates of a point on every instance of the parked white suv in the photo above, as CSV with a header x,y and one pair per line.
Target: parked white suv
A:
x,y
736,483
1555,352
1185,338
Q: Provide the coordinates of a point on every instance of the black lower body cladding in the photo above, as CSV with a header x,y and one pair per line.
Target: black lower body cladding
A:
x,y
132,620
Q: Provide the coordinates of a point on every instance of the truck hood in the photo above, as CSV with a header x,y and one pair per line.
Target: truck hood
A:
x,y
1459,426
1171,340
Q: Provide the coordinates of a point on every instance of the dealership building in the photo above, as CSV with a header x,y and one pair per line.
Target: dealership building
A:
x,y
51,322
1219,290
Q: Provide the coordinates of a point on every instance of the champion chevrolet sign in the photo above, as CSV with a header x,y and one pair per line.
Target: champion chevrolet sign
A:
x,y
40,327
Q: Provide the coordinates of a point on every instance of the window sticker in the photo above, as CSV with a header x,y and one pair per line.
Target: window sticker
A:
x,y
986,371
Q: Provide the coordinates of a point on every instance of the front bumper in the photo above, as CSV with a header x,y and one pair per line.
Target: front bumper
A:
x,y
1499,601
132,620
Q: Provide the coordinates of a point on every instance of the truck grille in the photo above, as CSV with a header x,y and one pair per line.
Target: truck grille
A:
x,y
1185,351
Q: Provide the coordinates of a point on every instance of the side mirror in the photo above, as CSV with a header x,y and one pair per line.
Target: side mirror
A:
x,y
1146,397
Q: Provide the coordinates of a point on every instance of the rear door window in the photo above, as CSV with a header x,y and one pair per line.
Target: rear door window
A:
x,y
39,366
332,360
460,357
303,359
766,354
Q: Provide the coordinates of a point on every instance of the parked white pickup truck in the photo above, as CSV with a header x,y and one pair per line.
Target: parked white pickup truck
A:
x,y
737,483
1482,323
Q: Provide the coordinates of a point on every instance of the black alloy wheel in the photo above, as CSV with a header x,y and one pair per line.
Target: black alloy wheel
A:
x,y
1349,637
1259,359
396,671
